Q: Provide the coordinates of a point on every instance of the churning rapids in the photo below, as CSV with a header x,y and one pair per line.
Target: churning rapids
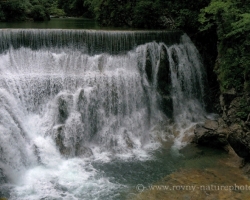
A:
x,y
72,100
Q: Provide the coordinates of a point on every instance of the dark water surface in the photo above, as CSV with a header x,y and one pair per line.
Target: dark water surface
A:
x,y
54,23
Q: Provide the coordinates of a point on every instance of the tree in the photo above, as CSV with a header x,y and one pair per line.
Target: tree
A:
x,y
14,10
39,13
74,7
232,22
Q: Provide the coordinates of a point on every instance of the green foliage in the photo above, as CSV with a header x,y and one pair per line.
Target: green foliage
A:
x,y
240,27
74,7
112,12
56,12
2,15
211,13
147,14
13,10
19,10
232,22
39,13
244,109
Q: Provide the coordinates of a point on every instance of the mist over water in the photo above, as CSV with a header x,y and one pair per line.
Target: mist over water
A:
x,y
75,101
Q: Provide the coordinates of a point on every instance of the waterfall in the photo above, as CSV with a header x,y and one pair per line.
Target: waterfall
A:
x,y
68,97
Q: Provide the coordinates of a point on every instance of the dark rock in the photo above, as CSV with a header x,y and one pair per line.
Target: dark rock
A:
x,y
240,142
82,151
236,121
148,67
210,138
37,154
211,134
76,150
64,103
58,133
167,106
175,58
82,101
222,123
239,139
164,84
211,124
227,97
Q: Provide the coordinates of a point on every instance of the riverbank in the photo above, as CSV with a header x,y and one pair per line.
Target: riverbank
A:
x,y
219,179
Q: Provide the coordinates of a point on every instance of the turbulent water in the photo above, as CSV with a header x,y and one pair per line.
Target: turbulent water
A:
x,y
72,99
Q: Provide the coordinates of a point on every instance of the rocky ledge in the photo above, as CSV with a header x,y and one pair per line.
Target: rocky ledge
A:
x,y
213,133
231,129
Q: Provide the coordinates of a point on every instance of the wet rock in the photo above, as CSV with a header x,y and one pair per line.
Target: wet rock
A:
x,y
37,154
83,151
175,58
64,103
129,142
164,84
167,105
211,134
76,149
81,100
148,67
58,133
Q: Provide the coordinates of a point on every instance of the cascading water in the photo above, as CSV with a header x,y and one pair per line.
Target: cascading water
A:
x,y
71,98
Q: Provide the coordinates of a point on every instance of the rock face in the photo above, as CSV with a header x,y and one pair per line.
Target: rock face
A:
x,y
212,133
69,150
239,139
64,103
240,142
164,84
236,113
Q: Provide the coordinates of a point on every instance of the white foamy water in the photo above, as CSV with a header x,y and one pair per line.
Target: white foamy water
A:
x,y
64,109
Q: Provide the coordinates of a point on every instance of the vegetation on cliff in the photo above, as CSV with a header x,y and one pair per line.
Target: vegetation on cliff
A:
x,y
232,21
20,10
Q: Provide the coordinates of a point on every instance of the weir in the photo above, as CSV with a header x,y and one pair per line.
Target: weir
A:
x,y
86,41
71,95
